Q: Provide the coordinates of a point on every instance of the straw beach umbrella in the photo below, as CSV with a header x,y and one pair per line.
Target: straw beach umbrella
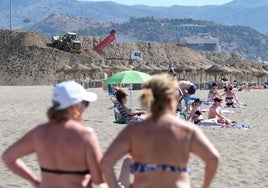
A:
x,y
94,67
104,67
162,67
216,70
64,70
155,68
142,67
79,69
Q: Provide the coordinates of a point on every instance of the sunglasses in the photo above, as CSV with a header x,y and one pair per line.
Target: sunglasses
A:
x,y
86,103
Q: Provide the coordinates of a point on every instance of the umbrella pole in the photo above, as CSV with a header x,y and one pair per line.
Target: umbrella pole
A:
x,y
130,97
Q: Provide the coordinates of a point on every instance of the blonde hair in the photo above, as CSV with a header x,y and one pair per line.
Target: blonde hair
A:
x,y
157,91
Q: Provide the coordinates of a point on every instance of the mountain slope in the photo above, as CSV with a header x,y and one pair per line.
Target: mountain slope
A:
x,y
252,13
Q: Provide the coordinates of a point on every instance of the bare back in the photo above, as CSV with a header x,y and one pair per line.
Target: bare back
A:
x,y
66,147
214,111
167,141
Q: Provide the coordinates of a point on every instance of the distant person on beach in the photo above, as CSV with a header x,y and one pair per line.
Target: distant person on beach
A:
x,y
196,112
161,145
225,82
215,112
121,97
245,87
213,92
187,88
197,117
231,99
67,152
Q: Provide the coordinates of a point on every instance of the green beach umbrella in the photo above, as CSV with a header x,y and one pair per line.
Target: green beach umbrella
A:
x,y
128,77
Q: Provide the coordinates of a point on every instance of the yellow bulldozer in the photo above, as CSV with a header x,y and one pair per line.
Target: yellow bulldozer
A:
x,y
68,42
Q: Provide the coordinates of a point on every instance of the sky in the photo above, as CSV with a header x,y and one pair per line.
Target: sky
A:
x,y
168,3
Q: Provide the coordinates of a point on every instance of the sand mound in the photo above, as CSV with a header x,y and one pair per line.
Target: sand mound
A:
x,y
28,59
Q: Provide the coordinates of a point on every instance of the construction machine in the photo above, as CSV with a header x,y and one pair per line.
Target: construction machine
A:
x,y
68,42
134,55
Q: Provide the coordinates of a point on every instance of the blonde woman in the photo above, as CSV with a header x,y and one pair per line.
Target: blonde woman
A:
x,y
160,146
67,152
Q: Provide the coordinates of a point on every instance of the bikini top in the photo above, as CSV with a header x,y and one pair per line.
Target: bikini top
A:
x,y
198,112
54,171
229,97
144,167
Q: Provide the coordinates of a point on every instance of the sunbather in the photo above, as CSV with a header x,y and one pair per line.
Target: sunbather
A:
x,y
213,92
121,97
230,97
215,112
196,115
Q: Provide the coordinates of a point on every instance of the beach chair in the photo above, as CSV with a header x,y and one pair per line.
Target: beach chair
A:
x,y
111,90
120,115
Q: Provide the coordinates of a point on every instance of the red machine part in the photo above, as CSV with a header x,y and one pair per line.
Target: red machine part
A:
x,y
106,41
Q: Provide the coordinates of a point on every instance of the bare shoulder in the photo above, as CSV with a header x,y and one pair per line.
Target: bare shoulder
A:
x,y
183,124
87,131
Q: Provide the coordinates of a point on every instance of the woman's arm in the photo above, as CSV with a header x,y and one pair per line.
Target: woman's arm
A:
x,y
94,157
119,147
191,115
132,113
11,158
202,147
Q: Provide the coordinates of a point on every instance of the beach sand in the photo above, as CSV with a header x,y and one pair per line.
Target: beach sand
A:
x,y
244,153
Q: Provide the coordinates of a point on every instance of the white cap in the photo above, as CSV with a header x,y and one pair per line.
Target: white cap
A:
x,y
68,93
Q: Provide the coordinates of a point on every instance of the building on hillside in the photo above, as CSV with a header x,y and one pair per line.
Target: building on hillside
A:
x,y
203,42
189,27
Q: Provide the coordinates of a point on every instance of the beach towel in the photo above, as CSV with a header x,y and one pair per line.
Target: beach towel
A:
x,y
235,126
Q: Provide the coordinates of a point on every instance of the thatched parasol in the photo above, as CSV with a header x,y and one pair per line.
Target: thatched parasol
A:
x,y
79,71
94,67
155,68
104,67
79,67
123,67
162,67
184,67
143,68
253,71
65,68
216,70
262,71
115,67
265,67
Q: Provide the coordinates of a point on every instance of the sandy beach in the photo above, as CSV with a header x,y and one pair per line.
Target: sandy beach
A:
x,y
244,153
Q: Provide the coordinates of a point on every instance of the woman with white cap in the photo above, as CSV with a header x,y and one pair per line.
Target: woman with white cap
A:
x,y
67,152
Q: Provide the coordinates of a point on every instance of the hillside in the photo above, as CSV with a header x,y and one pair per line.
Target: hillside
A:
x,y
252,13
27,59
241,39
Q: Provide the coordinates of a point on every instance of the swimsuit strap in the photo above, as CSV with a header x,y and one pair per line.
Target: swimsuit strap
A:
x,y
84,172
144,167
